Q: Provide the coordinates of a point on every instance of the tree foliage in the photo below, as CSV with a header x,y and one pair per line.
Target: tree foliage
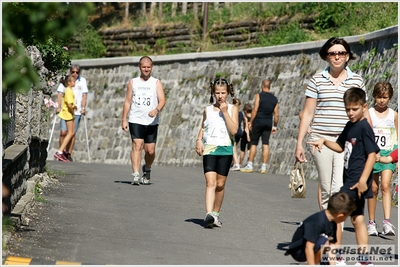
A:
x,y
46,25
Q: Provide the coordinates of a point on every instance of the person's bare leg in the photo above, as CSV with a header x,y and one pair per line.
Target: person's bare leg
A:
x,y
71,144
386,177
62,137
211,184
265,153
70,134
219,192
372,201
241,158
361,231
252,152
136,155
235,154
150,154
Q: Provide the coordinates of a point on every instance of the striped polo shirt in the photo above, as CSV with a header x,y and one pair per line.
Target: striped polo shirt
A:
x,y
330,115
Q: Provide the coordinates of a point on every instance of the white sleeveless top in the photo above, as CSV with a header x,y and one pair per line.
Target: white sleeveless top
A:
x,y
215,129
144,99
384,130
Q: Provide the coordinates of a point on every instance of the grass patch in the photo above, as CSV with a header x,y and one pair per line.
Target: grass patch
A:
x,y
38,193
55,173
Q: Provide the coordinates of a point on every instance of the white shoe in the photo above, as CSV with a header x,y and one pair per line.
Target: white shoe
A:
x,y
247,168
235,167
136,178
340,261
263,169
217,222
388,229
371,228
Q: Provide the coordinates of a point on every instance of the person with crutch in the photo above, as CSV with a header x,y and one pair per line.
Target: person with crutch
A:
x,y
80,92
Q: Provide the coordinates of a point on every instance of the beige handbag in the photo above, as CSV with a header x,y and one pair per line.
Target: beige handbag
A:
x,y
297,182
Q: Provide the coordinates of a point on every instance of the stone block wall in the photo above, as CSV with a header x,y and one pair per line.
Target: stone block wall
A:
x,y
186,77
25,152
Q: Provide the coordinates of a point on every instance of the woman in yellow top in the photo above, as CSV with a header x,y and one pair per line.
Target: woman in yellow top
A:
x,y
67,114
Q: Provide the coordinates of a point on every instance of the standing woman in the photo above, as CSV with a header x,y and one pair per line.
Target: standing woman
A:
x,y
215,143
324,111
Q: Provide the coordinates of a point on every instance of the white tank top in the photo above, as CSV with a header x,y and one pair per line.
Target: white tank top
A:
x,y
144,99
384,130
215,129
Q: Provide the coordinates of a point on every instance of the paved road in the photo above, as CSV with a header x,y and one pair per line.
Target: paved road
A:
x,y
95,216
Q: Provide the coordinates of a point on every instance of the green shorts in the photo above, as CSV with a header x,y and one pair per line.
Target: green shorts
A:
x,y
379,167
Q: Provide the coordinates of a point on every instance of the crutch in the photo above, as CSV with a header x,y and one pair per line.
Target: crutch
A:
x,y
87,138
52,131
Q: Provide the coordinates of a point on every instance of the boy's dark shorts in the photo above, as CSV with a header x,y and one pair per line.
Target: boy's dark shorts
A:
x,y
360,202
298,254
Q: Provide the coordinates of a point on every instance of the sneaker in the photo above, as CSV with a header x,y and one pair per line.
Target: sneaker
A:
x,y
146,175
340,261
247,168
235,167
67,155
217,222
61,157
209,220
388,229
263,169
371,227
364,263
135,180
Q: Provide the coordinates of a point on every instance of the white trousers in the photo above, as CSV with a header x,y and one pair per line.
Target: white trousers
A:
x,y
329,167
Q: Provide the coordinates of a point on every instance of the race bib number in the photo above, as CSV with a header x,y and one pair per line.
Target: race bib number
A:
x,y
143,99
383,137
348,148
218,136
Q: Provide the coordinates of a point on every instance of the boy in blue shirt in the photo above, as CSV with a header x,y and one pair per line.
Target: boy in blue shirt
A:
x,y
357,141
319,229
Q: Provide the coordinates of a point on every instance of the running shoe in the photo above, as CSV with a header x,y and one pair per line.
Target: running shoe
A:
x,y
61,157
263,169
209,220
247,168
67,155
371,227
146,175
340,261
364,263
136,177
388,228
217,222
235,167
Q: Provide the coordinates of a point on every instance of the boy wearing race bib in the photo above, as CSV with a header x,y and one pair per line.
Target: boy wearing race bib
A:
x,y
384,122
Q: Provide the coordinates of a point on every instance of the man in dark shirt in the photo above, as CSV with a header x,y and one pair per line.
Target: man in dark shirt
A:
x,y
263,121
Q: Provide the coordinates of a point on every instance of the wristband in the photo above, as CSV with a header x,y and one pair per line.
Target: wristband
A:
x,y
198,139
157,110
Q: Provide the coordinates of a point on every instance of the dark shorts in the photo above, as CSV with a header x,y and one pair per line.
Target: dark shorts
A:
x,y
299,254
360,202
146,132
244,144
238,137
218,164
263,131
